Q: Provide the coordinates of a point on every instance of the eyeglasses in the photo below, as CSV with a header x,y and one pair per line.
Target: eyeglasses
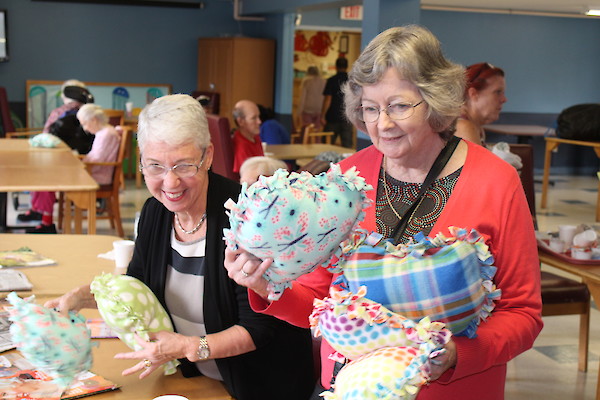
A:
x,y
181,170
397,111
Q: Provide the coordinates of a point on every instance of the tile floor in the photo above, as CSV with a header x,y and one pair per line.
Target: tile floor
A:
x,y
549,370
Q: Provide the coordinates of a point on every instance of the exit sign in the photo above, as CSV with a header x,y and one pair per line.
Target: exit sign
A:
x,y
352,12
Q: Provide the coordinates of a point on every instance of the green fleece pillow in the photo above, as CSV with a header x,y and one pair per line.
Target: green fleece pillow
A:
x,y
128,307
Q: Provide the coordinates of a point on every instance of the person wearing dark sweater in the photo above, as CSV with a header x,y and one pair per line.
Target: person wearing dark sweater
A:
x,y
179,255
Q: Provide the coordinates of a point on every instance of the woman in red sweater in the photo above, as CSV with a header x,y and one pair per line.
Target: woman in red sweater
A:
x,y
407,97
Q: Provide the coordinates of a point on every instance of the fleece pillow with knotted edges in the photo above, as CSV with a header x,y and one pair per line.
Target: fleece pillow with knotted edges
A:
x,y
297,219
447,279
128,307
58,345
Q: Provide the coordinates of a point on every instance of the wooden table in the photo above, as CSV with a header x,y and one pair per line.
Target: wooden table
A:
x,y
23,145
156,384
524,133
77,264
76,256
552,143
132,388
295,151
26,168
590,275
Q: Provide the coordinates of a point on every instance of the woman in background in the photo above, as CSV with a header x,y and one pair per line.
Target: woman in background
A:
x,y
484,97
107,141
311,99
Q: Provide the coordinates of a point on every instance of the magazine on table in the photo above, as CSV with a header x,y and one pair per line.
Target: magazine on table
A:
x,y
5,338
19,380
24,257
13,280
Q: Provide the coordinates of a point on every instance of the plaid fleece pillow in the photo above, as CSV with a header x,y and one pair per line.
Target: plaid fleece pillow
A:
x,y
448,279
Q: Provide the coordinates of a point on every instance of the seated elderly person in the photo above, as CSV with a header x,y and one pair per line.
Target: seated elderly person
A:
x,y
106,143
254,167
179,255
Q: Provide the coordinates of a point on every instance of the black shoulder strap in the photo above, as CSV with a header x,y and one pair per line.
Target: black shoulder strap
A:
x,y
437,167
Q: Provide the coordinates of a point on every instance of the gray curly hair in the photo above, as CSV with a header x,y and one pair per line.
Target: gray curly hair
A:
x,y
417,56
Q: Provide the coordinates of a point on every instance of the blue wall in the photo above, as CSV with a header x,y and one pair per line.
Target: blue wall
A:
x,y
110,43
551,63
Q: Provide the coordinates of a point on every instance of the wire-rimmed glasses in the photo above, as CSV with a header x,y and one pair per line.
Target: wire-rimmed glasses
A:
x,y
396,111
181,170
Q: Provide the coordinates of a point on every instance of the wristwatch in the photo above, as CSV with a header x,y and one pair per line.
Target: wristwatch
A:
x,y
203,349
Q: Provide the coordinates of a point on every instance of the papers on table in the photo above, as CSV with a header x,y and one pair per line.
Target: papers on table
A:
x,y
5,338
13,280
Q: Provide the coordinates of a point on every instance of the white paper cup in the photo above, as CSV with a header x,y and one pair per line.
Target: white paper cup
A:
x,y
581,254
566,234
170,397
123,250
556,245
586,238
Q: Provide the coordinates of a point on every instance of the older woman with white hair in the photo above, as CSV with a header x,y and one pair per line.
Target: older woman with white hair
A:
x,y
105,147
179,255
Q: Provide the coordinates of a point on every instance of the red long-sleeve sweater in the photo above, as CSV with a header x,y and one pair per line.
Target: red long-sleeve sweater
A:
x,y
488,197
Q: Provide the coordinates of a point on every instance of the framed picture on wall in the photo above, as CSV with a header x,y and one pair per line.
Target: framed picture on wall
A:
x,y
343,48
3,37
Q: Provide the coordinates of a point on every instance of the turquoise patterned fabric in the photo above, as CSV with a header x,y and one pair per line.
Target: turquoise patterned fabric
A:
x,y
58,345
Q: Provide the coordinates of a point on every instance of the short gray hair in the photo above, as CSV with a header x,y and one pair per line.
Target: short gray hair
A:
x,y
263,165
417,56
88,112
237,113
174,119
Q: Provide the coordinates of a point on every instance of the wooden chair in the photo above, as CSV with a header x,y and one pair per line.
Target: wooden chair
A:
x,y
110,191
115,117
310,135
560,295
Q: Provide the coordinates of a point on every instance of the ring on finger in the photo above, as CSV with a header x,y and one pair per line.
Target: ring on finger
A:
x,y
147,363
244,273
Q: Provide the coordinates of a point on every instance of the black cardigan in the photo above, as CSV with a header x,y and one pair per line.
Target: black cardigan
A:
x,y
281,367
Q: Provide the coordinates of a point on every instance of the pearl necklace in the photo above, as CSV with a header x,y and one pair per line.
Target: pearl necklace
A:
x,y
195,228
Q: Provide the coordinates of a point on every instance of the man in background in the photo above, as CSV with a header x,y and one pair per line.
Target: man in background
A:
x,y
332,113
246,138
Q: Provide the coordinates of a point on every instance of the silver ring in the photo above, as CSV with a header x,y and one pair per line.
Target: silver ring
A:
x,y
244,273
147,363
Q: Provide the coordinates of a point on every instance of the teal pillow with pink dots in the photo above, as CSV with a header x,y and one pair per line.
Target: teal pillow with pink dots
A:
x,y
57,345
297,219
129,307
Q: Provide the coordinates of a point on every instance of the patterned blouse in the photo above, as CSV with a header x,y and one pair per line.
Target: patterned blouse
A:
x,y
402,195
